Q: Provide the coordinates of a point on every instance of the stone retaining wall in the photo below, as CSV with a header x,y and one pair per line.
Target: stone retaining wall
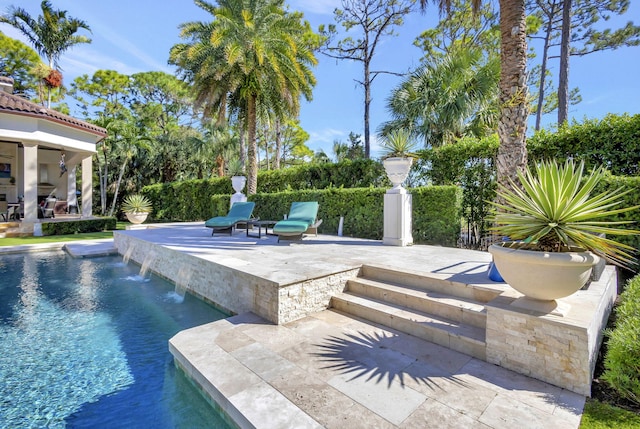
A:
x,y
559,349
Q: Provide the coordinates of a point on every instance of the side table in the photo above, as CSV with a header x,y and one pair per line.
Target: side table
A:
x,y
260,224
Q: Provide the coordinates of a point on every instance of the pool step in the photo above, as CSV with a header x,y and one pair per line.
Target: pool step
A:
x,y
419,307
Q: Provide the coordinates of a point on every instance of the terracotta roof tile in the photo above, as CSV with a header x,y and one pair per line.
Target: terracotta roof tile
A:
x,y
10,103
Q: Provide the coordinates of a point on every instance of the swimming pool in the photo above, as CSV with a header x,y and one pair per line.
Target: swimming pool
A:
x,y
83,344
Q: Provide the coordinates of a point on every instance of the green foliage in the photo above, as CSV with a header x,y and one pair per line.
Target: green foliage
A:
x,y
136,203
398,143
622,362
447,98
360,207
51,33
436,214
436,210
556,209
631,198
612,142
190,200
16,61
436,218
598,415
469,163
79,226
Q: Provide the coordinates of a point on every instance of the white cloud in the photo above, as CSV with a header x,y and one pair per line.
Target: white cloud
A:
x,y
326,136
125,45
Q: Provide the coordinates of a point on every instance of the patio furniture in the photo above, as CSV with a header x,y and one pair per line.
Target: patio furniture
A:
x,y
301,218
240,212
4,210
15,211
48,208
266,224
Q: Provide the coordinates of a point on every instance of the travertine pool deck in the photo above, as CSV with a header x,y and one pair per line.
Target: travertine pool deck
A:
x,y
335,371
330,370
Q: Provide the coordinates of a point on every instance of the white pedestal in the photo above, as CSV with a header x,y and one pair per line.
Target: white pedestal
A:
x,y
238,197
397,218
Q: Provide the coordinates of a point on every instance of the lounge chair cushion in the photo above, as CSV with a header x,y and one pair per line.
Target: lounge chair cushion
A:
x,y
290,227
239,212
301,216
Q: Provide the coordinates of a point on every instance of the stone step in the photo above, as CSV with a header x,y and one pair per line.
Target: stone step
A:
x,y
16,233
430,282
448,333
461,310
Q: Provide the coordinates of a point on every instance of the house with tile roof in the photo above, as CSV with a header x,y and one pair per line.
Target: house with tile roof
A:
x,y
42,152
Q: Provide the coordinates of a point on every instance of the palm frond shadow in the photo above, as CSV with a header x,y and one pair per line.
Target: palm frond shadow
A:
x,y
376,356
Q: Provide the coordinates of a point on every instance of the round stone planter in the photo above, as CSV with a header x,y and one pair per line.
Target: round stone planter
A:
x,y
397,170
137,218
544,276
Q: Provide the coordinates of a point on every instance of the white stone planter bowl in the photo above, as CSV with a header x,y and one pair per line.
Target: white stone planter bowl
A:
x,y
397,170
137,218
544,276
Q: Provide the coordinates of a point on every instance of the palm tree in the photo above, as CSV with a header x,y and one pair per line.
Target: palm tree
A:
x,y
253,56
454,96
51,34
514,103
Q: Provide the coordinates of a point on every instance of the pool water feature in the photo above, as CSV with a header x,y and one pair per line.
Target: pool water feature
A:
x,y
83,343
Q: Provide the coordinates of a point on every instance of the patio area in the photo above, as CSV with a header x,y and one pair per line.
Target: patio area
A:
x,y
287,359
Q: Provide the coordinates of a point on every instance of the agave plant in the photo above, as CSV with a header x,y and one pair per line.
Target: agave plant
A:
x,y
398,143
136,203
554,211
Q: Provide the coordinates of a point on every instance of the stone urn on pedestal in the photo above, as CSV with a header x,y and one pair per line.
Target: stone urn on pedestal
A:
x,y
397,158
238,183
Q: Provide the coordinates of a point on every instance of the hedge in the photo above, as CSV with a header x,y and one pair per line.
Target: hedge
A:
x,y
436,211
622,360
191,199
613,142
79,226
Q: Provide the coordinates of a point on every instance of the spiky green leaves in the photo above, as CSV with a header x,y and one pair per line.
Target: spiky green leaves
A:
x,y
555,209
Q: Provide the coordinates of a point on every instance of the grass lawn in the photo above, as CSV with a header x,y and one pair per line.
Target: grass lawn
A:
x,y
19,241
598,415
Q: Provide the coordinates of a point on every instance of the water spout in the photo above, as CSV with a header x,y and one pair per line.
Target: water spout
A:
x,y
127,255
144,268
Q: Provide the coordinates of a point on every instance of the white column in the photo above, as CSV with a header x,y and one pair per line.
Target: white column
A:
x,y
397,218
87,186
72,199
30,180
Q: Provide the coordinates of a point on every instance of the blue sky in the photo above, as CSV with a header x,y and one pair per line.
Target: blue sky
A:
x,y
136,35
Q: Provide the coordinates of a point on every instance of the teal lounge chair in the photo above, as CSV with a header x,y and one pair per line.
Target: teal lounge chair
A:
x,y
301,218
239,213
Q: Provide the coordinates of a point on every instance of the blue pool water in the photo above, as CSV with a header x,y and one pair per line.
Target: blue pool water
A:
x,y
83,344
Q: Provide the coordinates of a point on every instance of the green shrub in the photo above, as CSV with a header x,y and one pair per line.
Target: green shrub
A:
x,y
436,211
612,142
436,215
622,361
79,226
468,163
191,200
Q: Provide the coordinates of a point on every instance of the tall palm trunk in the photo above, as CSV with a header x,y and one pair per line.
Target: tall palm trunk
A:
x,y
276,162
367,105
252,150
563,83
543,71
514,105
